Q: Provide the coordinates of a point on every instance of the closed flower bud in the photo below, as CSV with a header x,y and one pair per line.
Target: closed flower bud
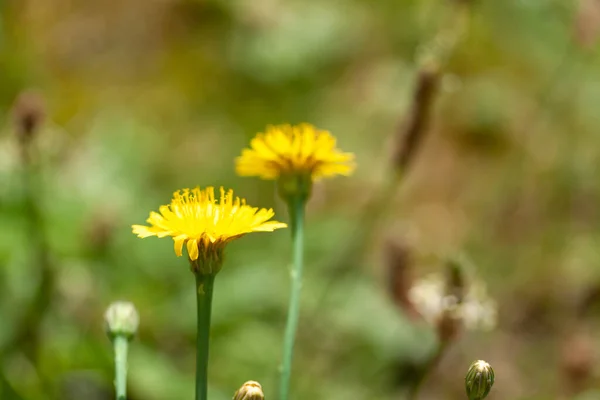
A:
x,y
121,318
250,390
479,380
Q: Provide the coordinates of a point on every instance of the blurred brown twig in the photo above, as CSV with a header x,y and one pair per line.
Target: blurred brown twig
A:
x,y
447,327
407,142
411,134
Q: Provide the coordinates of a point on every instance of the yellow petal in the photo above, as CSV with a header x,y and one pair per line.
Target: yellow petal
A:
x,y
192,247
327,170
178,244
142,231
269,226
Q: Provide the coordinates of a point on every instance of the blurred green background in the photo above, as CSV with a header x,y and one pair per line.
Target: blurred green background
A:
x,y
144,97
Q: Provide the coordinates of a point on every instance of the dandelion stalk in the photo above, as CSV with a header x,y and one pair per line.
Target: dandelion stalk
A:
x,y
122,322
120,344
204,295
296,210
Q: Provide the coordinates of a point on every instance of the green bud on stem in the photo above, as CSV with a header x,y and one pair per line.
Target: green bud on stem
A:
x,y
479,380
121,319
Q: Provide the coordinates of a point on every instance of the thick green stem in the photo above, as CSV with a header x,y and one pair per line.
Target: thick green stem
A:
x,y
204,294
296,208
120,344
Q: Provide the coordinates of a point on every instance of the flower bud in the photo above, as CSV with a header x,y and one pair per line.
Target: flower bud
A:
x,y
121,318
479,380
250,390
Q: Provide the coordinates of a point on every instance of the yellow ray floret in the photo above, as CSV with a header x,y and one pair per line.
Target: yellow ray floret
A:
x,y
197,219
300,149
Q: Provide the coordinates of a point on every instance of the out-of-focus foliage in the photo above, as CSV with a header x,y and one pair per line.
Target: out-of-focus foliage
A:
x,y
145,97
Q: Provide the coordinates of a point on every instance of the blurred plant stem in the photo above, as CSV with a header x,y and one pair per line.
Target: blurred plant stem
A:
x,y
407,142
122,320
448,324
428,368
28,114
204,295
27,332
120,344
296,206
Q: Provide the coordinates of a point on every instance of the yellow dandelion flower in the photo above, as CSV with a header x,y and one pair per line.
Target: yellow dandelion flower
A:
x,y
205,224
294,150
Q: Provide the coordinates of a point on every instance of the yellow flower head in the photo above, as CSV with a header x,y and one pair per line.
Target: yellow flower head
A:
x,y
294,150
206,224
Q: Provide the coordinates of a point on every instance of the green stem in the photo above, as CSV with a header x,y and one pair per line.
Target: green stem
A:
x,y
120,344
296,208
204,294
